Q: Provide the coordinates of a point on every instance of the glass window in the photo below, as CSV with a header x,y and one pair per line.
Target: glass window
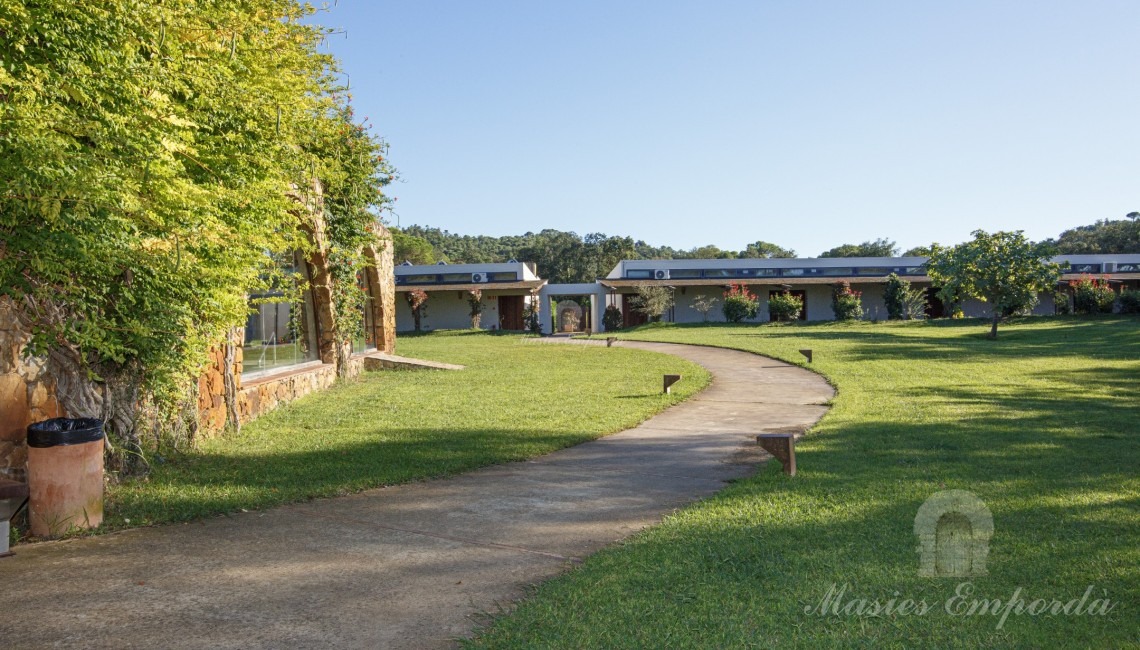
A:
x,y
1085,268
456,277
639,274
419,279
682,274
364,340
1128,268
280,330
874,270
504,277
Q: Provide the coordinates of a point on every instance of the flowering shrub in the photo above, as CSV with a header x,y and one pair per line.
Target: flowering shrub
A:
x,y
1092,295
1061,304
416,300
785,306
846,302
739,304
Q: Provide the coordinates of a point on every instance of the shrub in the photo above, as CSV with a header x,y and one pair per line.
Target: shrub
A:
x,y
903,301
612,319
846,302
785,306
739,304
1061,304
703,305
1092,296
531,319
475,302
1130,302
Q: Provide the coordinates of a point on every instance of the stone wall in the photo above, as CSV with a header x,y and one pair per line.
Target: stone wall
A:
x,y
27,395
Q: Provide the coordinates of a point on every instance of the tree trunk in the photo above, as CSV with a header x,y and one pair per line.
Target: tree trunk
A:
x,y
416,318
114,400
993,328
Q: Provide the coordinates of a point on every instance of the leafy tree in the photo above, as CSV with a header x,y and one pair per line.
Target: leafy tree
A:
x,y
653,301
765,250
1004,269
708,252
153,159
917,251
410,248
1104,236
877,248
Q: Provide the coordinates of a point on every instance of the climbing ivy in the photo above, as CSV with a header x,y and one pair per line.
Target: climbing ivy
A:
x,y
151,158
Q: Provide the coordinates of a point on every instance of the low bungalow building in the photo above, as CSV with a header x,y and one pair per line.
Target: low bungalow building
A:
x,y
506,290
813,278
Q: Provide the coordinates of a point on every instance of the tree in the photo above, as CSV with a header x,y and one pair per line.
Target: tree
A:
x,y
653,301
708,252
765,250
1004,269
154,160
410,248
1104,236
917,251
877,248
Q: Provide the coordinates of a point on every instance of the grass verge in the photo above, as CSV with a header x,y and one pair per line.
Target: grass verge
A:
x,y
515,400
1041,424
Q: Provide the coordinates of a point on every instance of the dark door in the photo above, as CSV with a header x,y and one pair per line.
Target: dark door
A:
x,y
803,301
511,313
934,306
631,317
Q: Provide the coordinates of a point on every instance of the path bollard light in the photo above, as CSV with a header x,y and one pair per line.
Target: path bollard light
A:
x,y
669,381
610,341
783,447
13,496
806,353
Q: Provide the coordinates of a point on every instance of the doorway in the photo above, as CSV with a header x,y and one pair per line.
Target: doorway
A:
x,y
511,313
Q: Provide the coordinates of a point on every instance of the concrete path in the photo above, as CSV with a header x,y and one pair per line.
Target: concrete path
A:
x,y
403,567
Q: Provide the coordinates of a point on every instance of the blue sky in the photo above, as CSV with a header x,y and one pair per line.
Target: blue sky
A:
x,y
807,124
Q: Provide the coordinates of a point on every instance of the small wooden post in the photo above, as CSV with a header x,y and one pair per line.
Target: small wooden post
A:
x,y
610,341
806,353
783,447
669,381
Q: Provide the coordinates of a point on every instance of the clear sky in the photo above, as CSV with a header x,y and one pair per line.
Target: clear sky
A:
x,y
807,124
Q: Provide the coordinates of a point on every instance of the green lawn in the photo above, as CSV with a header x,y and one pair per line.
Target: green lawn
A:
x,y
515,400
1041,424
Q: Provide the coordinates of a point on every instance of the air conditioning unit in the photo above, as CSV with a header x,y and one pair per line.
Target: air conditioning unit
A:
x,y
479,278
1110,267
661,274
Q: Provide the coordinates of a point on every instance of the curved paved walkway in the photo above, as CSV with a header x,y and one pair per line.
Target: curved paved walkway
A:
x,y
407,566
